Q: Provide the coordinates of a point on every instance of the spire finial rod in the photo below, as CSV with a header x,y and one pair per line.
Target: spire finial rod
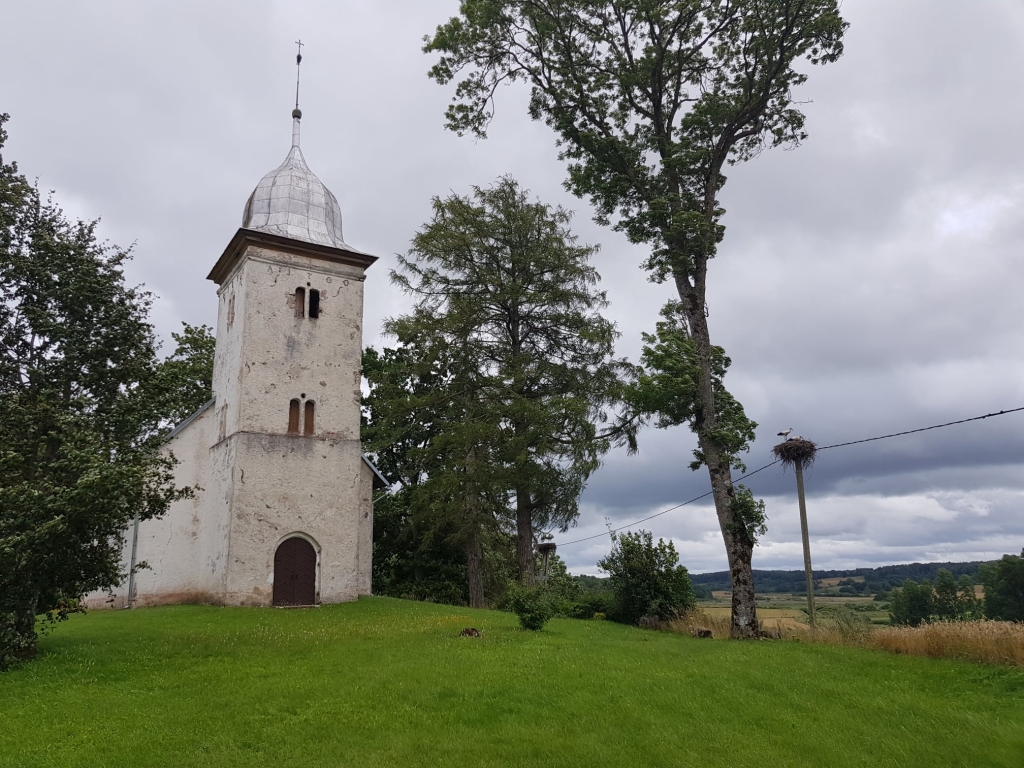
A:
x,y
298,63
297,113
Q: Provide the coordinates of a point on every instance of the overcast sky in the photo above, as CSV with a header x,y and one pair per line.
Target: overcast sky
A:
x,y
870,282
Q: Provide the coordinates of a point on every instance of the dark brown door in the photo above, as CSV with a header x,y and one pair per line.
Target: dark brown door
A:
x,y
295,573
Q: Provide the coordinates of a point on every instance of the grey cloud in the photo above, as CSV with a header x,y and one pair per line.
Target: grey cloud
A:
x,y
894,231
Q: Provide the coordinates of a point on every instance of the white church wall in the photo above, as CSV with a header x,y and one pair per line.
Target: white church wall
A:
x,y
285,357
227,364
185,549
316,487
364,560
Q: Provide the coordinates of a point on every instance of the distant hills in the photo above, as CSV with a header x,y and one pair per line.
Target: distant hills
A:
x,y
866,580
852,581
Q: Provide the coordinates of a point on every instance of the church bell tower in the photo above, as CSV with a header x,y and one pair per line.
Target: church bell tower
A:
x,y
286,459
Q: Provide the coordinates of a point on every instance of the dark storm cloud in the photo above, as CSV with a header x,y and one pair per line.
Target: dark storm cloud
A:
x,y
869,282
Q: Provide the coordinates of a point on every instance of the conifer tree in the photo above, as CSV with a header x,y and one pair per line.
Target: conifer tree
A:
x,y
506,305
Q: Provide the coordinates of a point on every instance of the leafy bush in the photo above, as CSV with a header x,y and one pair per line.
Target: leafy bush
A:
x,y
911,604
646,579
1004,588
844,622
915,604
588,606
532,605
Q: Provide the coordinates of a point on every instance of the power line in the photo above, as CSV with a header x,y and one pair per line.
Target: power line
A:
x,y
664,511
922,429
760,469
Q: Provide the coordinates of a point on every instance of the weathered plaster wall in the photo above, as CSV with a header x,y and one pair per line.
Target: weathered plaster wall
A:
x,y
281,356
259,484
227,363
280,484
186,549
312,486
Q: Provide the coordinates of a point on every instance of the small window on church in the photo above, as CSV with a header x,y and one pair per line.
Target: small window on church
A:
x,y
293,418
300,302
314,303
309,417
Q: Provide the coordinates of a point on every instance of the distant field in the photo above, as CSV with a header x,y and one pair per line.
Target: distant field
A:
x,y
388,683
794,607
834,581
790,618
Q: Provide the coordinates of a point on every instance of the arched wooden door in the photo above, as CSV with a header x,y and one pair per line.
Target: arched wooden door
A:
x,y
295,573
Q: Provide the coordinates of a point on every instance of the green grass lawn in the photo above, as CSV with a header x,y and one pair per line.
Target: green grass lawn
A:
x,y
388,683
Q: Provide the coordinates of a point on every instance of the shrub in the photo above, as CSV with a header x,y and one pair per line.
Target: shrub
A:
x,y
532,605
1004,588
590,605
646,579
912,604
848,625
915,604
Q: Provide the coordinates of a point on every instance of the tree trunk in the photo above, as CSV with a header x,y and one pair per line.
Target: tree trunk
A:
x,y
524,535
19,635
739,547
475,569
474,550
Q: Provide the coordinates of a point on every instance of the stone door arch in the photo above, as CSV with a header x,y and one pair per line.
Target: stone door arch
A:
x,y
295,572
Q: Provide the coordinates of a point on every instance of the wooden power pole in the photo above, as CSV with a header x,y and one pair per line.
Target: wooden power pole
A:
x,y
807,540
799,453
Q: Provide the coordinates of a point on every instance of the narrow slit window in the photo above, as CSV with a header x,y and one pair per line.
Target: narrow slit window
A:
x,y
314,303
300,302
310,419
293,418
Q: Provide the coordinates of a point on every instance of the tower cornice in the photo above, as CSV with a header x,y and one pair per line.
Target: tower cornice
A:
x,y
250,237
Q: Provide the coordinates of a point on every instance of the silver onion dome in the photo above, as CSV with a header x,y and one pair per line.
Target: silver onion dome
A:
x,y
291,201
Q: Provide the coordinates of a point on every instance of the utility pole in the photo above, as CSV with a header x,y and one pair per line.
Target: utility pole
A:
x,y
807,540
798,453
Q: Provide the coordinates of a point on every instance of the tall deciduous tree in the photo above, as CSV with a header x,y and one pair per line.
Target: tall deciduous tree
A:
x,y
506,296
79,453
650,100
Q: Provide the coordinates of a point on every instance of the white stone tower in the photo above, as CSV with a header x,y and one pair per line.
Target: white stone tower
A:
x,y
283,514
287,391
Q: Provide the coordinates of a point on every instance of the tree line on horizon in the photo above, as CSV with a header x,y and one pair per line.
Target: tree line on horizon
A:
x,y
876,580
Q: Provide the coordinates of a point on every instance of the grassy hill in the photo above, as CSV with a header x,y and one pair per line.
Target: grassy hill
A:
x,y
387,682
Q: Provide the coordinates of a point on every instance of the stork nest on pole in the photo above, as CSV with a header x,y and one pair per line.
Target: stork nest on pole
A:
x,y
795,452
546,546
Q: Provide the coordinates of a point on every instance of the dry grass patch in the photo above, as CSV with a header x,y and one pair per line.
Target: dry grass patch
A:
x,y
990,642
690,622
783,620
987,642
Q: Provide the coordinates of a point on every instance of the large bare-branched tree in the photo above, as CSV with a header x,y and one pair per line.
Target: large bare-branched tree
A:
x,y
650,99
